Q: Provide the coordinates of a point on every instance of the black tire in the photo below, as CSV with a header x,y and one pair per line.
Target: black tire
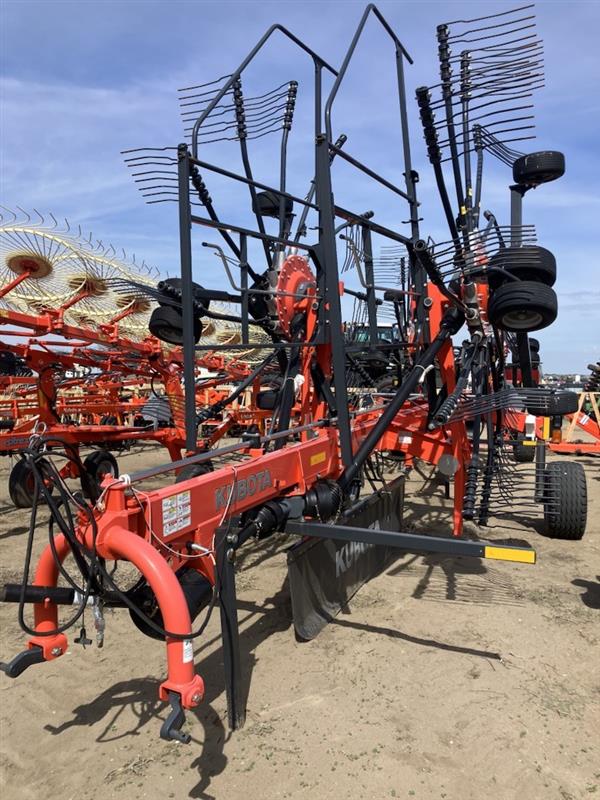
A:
x,y
565,500
523,306
536,168
98,465
534,345
21,483
166,323
388,383
557,404
523,453
527,263
108,419
193,471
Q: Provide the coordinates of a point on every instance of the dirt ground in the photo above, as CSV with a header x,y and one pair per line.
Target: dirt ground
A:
x,y
446,678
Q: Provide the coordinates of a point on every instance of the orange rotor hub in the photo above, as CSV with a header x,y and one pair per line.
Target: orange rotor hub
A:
x,y
295,278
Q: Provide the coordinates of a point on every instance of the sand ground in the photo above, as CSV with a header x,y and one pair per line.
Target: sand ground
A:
x,y
446,678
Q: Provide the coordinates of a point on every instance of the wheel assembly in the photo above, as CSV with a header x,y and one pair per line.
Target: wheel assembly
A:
x,y
166,323
21,482
537,168
524,453
527,263
99,465
565,500
522,306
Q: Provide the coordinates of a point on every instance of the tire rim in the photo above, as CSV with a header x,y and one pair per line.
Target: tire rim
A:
x,y
522,320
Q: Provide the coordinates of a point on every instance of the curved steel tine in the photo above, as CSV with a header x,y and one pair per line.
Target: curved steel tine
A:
x,y
25,213
12,213
42,220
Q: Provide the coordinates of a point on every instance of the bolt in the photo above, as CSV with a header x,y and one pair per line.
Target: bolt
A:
x,y
56,651
196,698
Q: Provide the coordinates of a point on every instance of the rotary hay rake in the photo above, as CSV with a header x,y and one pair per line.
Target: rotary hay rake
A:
x,y
90,374
322,468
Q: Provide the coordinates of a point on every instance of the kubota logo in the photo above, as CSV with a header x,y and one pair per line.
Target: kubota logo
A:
x,y
230,493
348,555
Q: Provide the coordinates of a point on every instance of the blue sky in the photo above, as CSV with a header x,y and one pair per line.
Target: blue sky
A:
x,y
81,81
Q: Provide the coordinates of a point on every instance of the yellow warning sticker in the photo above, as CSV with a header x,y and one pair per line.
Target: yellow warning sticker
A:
x,y
318,458
510,554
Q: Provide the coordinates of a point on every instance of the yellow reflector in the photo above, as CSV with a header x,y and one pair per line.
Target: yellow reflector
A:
x,y
546,428
510,554
318,458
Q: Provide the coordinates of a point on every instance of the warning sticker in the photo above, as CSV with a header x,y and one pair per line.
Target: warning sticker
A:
x,y
188,651
176,513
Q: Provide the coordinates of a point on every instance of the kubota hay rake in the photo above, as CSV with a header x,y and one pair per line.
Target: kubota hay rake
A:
x,y
352,404
89,376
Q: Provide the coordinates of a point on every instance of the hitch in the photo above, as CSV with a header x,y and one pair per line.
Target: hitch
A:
x,y
171,727
34,655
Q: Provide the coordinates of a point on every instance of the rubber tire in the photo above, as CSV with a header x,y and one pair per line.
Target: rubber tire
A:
x,y
528,263
97,465
537,168
108,419
559,404
523,453
193,471
566,479
21,483
166,323
520,297
388,383
534,345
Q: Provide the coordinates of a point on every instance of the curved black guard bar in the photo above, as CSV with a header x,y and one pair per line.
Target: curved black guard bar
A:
x,y
319,62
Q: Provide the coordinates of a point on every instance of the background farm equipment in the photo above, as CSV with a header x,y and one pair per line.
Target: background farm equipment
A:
x,y
316,462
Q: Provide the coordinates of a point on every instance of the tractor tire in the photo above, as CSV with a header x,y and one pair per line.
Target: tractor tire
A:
x,y
527,263
537,168
558,404
98,465
523,453
108,419
21,483
193,471
166,323
523,306
565,500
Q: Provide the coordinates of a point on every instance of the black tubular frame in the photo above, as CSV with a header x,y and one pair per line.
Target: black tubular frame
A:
x,y
320,199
